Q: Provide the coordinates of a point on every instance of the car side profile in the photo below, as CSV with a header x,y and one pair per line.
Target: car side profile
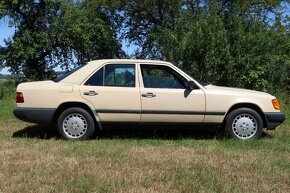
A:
x,y
142,92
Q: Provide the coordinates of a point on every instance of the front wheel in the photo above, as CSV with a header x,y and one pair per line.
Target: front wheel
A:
x,y
244,123
75,124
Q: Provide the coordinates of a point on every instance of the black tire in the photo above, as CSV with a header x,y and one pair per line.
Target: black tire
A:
x,y
244,123
75,124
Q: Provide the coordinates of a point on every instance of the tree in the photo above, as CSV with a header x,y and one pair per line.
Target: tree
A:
x,y
144,18
232,43
51,33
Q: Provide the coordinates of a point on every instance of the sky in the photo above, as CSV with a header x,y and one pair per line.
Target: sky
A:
x,y
7,32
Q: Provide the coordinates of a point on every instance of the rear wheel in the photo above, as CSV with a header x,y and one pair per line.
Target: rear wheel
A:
x,y
75,124
244,123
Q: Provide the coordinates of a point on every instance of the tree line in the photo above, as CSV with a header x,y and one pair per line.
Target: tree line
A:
x,y
242,43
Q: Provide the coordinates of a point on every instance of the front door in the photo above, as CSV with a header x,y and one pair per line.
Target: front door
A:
x,y
114,93
165,99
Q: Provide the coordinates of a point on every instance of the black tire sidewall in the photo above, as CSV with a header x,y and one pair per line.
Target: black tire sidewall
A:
x,y
232,115
83,112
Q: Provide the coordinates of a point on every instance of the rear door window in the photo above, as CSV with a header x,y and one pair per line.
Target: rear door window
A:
x,y
114,75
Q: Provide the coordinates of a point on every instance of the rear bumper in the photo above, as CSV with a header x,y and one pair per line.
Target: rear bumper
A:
x,y
274,119
34,115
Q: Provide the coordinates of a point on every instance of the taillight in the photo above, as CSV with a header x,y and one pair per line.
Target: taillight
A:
x,y
19,97
276,104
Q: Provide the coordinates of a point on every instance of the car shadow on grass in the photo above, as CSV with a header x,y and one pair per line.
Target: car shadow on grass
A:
x,y
163,134
35,131
198,133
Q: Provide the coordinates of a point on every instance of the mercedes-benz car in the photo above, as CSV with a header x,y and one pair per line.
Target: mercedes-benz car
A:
x,y
142,92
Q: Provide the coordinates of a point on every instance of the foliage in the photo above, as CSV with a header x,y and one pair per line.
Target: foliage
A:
x,y
143,18
7,98
233,43
51,33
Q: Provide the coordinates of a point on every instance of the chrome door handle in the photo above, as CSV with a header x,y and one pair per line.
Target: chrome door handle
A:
x,y
149,95
90,93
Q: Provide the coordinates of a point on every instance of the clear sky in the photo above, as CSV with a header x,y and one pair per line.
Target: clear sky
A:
x,y
7,32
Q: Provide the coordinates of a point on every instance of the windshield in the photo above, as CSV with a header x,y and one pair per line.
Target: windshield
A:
x,y
64,75
200,82
204,83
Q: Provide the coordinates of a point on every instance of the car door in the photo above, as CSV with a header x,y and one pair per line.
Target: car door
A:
x,y
165,99
114,92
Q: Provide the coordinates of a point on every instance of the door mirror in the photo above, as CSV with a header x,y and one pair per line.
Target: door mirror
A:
x,y
190,85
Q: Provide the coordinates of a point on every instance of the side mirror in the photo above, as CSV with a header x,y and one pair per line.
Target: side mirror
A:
x,y
190,85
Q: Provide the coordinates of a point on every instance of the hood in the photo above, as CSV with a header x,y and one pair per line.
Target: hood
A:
x,y
235,90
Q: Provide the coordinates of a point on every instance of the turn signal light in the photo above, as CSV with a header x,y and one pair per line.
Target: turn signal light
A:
x,y
276,104
19,97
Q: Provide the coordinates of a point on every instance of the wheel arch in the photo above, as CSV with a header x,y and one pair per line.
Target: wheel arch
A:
x,y
253,106
71,104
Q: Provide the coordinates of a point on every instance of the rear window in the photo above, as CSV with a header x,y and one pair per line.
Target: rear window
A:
x,y
66,74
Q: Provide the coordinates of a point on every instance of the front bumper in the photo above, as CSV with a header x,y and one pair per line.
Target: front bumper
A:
x,y
34,115
274,119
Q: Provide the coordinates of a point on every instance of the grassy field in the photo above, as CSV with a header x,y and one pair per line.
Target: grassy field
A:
x,y
32,159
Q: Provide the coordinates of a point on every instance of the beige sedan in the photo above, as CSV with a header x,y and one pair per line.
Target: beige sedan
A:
x,y
142,92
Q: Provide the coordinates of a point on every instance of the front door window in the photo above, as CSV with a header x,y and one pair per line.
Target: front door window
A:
x,y
155,76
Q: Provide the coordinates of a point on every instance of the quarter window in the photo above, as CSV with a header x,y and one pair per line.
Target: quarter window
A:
x,y
96,79
155,76
122,75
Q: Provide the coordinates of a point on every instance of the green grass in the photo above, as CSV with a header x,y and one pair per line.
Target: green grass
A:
x,y
32,159
7,99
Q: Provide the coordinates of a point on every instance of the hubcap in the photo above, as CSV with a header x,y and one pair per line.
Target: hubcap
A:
x,y
244,126
75,125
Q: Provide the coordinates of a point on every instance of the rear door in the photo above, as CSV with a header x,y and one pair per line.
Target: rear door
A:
x,y
165,99
114,92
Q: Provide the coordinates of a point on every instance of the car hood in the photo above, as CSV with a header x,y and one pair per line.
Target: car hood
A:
x,y
237,91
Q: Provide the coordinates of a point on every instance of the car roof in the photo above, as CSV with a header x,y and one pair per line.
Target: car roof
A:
x,y
78,76
126,60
